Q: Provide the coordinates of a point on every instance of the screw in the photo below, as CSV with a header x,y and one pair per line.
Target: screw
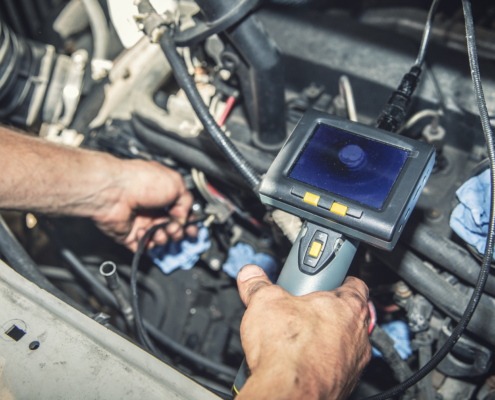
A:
x,y
34,345
215,264
225,74
192,311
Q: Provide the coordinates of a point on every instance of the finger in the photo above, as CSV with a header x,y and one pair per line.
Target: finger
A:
x,y
357,286
175,231
141,224
250,279
192,231
160,237
180,209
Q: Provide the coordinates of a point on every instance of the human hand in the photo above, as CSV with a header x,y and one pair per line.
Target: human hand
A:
x,y
312,346
136,200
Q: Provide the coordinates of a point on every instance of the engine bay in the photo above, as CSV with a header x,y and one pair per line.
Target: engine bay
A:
x,y
86,76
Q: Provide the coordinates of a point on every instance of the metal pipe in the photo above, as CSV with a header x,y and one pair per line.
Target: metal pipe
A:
x,y
109,270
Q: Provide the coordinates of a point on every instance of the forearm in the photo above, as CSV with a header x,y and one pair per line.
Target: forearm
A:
x,y
44,177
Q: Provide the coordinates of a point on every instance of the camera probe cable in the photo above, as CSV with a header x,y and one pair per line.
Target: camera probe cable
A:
x,y
485,269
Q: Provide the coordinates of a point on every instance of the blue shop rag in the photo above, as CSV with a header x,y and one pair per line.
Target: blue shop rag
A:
x,y
399,333
182,254
470,219
242,254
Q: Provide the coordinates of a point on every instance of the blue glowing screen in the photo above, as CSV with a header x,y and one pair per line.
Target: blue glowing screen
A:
x,y
349,165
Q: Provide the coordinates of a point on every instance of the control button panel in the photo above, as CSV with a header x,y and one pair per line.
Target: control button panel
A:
x,y
315,248
326,203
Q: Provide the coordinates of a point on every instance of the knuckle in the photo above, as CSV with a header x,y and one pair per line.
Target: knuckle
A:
x,y
367,353
256,290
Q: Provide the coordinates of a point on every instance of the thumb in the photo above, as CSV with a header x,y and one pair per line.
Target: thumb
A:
x,y
250,279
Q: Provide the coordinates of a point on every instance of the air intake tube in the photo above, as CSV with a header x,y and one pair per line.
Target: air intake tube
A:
x,y
25,70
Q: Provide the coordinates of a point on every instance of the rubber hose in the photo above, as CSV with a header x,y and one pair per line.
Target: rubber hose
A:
x,y
436,289
151,285
187,83
161,337
21,262
385,345
187,154
187,353
446,253
260,160
80,269
99,28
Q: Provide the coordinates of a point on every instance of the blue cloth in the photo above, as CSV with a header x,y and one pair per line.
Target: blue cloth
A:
x,y
242,254
399,333
470,219
182,254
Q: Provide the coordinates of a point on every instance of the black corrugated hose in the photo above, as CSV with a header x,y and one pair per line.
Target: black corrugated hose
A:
x,y
485,269
186,82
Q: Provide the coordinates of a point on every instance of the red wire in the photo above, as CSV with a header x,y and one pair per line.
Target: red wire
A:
x,y
228,107
372,317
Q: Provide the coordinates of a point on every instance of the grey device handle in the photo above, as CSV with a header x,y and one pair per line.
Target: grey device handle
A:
x,y
298,283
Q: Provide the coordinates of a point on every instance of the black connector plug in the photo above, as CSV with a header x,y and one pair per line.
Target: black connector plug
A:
x,y
395,111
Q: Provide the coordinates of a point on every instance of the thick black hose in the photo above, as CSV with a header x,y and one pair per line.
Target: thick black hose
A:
x,y
445,253
487,260
187,353
100,289
21,262
217,168
384,344
187,84
442,294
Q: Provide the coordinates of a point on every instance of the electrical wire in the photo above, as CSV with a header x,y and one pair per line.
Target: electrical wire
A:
x,y
419,116
346,92
426,33
187,84
485,269
142,327
228,107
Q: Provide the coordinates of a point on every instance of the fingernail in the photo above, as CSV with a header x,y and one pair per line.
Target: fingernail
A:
x,y
250,271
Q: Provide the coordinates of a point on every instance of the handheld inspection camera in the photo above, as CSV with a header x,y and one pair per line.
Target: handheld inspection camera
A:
x,y
350,183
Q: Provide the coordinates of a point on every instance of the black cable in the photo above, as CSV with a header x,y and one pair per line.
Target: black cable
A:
x,y
485,269
395,111
186,82
142,327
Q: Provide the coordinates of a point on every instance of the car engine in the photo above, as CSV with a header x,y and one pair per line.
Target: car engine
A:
x,y
91,74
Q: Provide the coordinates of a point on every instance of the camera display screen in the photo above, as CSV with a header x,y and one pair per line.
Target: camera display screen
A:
x,y
349,165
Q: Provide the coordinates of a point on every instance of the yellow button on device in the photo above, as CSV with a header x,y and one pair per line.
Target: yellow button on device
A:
x,y
315,249
311,198
339,209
